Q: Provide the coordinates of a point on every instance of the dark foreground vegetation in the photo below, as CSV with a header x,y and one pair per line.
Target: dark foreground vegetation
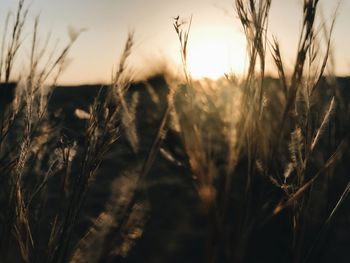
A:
x,y
243,169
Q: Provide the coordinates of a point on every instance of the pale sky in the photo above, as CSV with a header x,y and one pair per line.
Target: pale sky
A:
x,y
214,27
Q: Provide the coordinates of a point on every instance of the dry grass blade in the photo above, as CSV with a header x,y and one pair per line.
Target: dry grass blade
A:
x,y
16,40
301,191
327,224
324,123
183,36
120,82
276,55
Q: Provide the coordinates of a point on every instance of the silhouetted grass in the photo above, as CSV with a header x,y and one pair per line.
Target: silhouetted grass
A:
x,y
257,156
260,147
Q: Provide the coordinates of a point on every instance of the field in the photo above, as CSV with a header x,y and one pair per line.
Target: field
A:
x,y
249,168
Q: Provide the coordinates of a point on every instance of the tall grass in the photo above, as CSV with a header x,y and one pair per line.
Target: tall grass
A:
x,y
259,145
38,220
257,150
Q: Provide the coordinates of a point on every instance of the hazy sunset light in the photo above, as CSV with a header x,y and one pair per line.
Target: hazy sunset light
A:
x,y
215,27
175,131
213,52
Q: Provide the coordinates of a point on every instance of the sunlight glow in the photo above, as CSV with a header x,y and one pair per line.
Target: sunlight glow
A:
x,y
212,53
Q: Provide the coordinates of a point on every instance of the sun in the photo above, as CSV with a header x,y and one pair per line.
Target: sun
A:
x,y
212,53
208,58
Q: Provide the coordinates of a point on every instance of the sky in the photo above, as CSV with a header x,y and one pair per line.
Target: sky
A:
x,y
216,40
